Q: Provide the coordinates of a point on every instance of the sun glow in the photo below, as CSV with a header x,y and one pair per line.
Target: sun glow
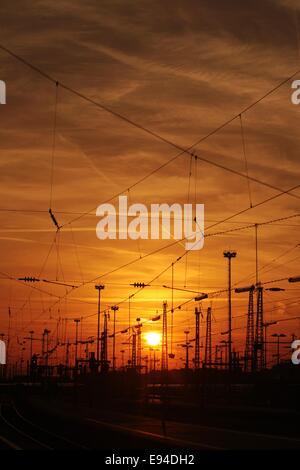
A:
x,y
153,339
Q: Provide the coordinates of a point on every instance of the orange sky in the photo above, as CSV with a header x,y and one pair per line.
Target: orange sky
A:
x,y
180,69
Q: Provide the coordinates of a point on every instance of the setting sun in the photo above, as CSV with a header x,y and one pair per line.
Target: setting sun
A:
x,y
153,339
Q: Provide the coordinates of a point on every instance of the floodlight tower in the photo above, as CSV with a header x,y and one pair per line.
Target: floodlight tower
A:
x,y
229,255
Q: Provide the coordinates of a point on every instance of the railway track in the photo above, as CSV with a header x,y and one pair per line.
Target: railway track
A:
x,y
19,433
87,430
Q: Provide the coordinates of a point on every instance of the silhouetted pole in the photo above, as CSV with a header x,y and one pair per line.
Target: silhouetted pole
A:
x,y
139,345
225,344
104,343
249,347
197,339
259,330
164,342
133,351
47,348
256,255
77,321
122,352
31,339
45,334
187,346
208,347
67,353
43,344
114,308
99,288
129,328
221,358
217,349
146,359
278,336
229,255
266,326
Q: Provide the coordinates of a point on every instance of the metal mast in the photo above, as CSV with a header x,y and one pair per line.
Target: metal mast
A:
x,y
197,339
76,320
99,288
133,360
139,345
249,359
164,345
208,350
259,331
249,349
104,344
114,308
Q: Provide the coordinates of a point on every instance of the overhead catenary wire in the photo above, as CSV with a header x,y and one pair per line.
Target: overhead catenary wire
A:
x,y
188,201
157,251
215,293
280,265
287,192
253,274
52,244
156,135
184,303
45,211
254,206
178,307
245,158
77,255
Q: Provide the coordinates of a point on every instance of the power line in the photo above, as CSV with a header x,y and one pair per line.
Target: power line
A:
x,y
164,247
158,250
182,150
157,136
245,159
268,264
255,205
46,211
